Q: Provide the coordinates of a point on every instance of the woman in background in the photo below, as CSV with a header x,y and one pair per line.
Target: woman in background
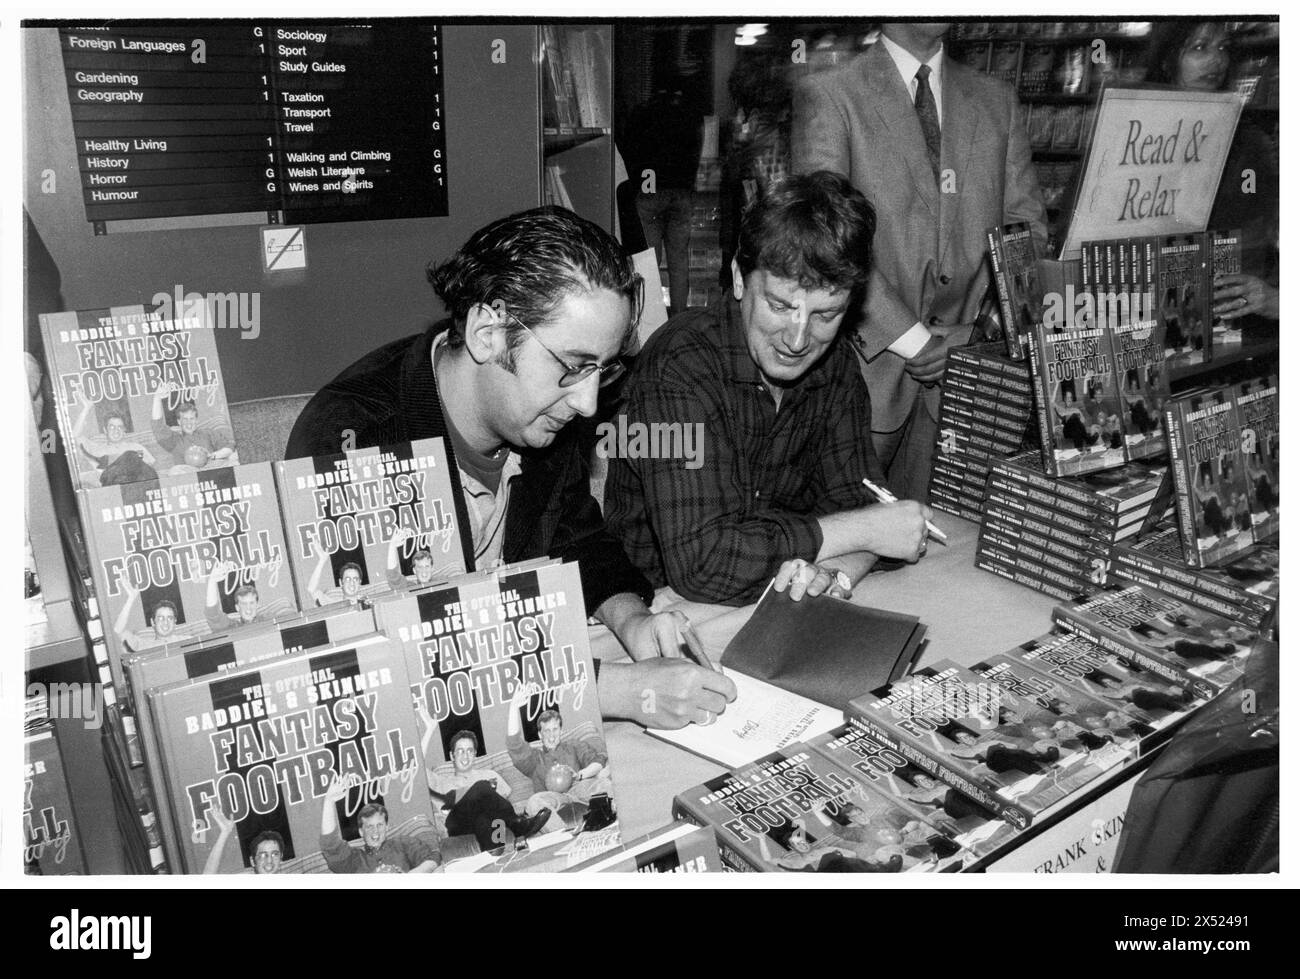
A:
x,y
1197,55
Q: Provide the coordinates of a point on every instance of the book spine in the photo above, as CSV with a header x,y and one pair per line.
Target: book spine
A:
x,y
1047,539
933,765
1083,569
1178,463
1071,583
1072,620
733,858
1248,606
1059,494
1131,574
1011,574
1090,529
1043,403
1010,323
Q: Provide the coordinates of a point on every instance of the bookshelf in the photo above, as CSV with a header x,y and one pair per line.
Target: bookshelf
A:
x,y
575,113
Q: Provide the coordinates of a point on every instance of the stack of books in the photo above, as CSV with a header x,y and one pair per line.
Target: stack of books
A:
x,y
1056,535
984,414
1244,589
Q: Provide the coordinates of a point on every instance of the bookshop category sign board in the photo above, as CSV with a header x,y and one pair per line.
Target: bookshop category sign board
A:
x,y
1153,164
309,123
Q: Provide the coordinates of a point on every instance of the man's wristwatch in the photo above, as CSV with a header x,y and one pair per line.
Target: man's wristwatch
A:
x,y
844,581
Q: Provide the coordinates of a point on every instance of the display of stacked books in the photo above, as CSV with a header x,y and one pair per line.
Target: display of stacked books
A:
x,y
984,413
1245,588
1055,535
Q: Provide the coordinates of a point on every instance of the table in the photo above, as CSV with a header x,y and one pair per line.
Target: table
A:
x,y
970,614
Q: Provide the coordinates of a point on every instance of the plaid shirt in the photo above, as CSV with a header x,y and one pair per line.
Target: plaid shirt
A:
x,y
719,533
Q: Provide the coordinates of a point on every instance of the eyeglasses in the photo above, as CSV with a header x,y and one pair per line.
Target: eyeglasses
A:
x,y
609,373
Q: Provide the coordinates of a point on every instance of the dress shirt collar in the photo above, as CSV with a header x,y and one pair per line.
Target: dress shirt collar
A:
x,y
907,65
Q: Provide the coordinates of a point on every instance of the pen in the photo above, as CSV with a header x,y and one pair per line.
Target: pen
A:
x,y
885,496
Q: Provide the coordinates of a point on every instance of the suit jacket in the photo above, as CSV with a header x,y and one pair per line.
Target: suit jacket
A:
x,y
390,396
929,259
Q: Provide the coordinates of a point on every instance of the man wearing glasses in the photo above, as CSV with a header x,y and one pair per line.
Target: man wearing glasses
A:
x,y
542,306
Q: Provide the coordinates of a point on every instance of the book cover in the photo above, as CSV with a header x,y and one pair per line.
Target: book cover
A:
x,y
1183,296
1187,646
51,840
1090,736
218,653
974,827
1147,698
363,522
679,848
1015,274
1257,414
1036,69
797,811
137,395
265,742
1211,482
1080,413
960,730
1004,63
186,555
1138,352
1225,259
500,660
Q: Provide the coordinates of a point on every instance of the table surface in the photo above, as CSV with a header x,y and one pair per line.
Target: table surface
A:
x,y
970,614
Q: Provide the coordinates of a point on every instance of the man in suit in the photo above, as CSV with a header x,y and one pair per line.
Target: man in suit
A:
x,y
942,152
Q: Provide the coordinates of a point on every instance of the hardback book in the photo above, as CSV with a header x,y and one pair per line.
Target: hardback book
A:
x,y
1111,493
974,827
138,393
363,522
183,556
1082,568
1225,259
944,719
679,848
1138,352
52,843
1245,588
1145,697
1032,568
502,656
1257,414
1182,295
264,742
1211,480
1036,69
1090,736
1197,650
1081,419
1004,63
219,653
1015,274
797,811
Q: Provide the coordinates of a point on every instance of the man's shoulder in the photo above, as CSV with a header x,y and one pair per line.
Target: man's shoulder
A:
x,y
850,77
978,87
361,397
690,343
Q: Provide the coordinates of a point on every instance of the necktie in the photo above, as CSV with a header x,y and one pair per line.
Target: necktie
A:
x,y
928,114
